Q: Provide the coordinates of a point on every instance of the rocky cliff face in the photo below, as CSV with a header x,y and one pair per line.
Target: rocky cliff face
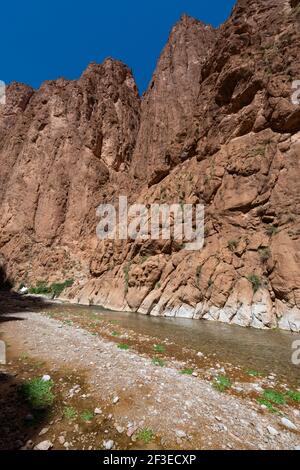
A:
x,y
217,126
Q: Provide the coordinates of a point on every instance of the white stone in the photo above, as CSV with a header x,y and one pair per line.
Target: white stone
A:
x,y
108,445
288,424
46,378
272,431
45,445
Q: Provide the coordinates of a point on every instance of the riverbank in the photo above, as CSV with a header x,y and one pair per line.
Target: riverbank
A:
x,y
136,394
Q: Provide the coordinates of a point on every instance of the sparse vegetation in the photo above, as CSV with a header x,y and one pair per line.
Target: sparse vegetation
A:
x,y
146,435
123,346
232,245
158,362
55,289
268,405
70,413
38,393
265,254
255,281
222,383
294,395
254,373
274,396
272,230
187,371
159,348
86,415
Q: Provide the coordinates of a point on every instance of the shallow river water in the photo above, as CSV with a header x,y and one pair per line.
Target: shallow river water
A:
x,y
262,350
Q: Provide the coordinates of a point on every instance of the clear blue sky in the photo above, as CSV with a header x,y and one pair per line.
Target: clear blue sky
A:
x,y
44,40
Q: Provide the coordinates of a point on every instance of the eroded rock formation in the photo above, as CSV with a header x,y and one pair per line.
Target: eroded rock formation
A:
x,y
217,126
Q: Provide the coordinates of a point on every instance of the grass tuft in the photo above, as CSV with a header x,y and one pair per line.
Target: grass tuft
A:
x,y
38,393
146,435
222,383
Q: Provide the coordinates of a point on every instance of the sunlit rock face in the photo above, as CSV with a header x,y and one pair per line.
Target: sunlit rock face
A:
x,y
219,126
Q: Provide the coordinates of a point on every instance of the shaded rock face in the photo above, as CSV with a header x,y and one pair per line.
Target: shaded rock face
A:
x,y
217,126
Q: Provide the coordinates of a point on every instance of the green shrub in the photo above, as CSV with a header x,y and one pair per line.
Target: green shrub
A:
x,y
255,281
38,393
123,347
54,289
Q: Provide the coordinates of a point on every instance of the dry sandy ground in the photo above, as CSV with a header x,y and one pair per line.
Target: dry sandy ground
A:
x,y
184,412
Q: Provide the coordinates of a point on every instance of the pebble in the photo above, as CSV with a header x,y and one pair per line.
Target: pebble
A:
x,y
115,400
98,411
288,424
46,378
180,434
44,445
43,431
108,445
272,431
61,440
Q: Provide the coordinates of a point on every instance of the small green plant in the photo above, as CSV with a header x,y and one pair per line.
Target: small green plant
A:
x,y
115,334
158,362
222,383
38,393
254,373
255,281
146,435
187,371
70,413
159,348
272,230
58,287
274,397
123,346
268,405
293,395
87,416
41,288
265,254
232,245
